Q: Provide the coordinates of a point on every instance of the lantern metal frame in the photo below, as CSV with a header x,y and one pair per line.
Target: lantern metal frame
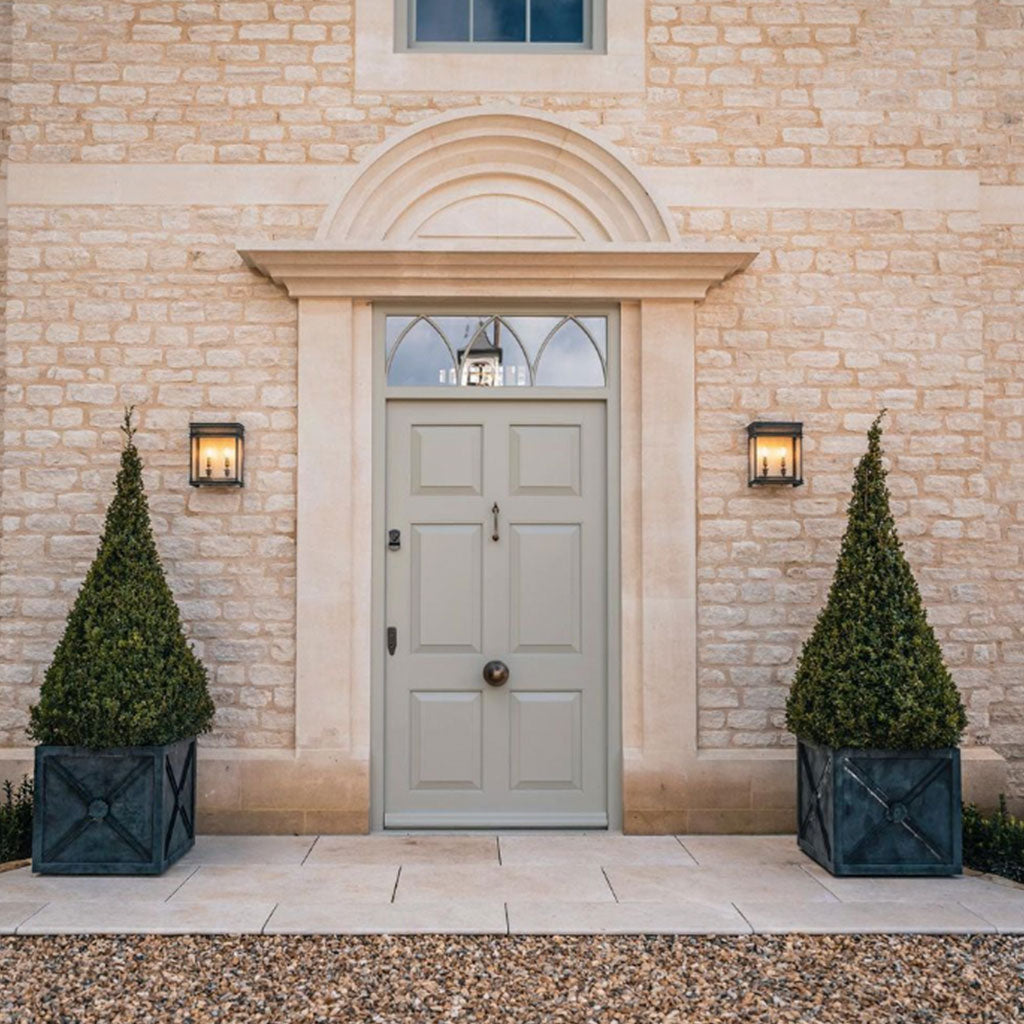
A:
x,y
775,431
233,433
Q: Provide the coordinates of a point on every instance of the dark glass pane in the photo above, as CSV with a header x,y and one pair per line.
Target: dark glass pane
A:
x,y
499,21
441,21
556,21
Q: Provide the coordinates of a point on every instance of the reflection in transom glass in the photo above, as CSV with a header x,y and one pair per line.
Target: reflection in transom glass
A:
x,y
496,351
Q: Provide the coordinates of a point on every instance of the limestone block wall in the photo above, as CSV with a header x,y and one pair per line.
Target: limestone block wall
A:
x,y
844,313
149,306
848,308
1001,166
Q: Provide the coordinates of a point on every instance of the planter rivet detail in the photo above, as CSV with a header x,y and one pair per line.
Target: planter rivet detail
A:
x,y
98,809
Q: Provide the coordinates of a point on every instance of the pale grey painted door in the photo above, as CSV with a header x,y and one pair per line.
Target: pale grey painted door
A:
x,y
532,752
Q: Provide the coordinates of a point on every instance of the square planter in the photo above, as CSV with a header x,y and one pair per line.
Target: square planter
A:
x,y
880,812
120,811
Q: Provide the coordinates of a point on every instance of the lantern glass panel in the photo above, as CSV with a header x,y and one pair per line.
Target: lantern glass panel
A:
x,y
217,455
775,453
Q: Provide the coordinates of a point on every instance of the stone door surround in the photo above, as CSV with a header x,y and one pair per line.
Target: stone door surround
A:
x,y
490,204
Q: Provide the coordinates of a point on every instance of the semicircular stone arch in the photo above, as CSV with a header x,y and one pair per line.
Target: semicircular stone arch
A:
x,y
494,176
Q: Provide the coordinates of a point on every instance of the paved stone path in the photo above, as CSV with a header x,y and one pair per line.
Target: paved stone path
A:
x,y
520,884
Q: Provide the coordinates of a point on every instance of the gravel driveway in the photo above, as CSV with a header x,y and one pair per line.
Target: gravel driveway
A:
x,y
821,979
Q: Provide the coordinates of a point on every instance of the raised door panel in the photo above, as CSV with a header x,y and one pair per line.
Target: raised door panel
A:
x,y
544,459
446,740
544,588
446,459
446,587
545,744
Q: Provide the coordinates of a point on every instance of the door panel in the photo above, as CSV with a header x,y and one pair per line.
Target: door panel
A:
x,y
459,752
545,460
544,582
447,586
545,740
446,742
447,459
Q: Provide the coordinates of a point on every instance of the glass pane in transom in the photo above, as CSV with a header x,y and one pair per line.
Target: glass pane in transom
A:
x,y
492,350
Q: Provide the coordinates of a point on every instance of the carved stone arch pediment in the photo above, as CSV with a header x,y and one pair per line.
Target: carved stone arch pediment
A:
x,y
490,175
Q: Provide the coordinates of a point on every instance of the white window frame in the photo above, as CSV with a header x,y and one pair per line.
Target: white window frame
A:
x,y
594,34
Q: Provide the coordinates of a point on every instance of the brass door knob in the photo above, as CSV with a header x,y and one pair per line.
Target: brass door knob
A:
x,y
495,673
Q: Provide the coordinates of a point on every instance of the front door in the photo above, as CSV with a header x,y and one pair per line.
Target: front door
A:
x,y
502,558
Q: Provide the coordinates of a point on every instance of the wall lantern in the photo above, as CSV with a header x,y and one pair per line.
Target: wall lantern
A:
x,y
775,453
218,451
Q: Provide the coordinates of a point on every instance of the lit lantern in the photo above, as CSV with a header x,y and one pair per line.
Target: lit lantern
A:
x,y
218,451
775,453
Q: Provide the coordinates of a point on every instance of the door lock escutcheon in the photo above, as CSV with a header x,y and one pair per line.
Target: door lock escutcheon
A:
x,y
394,540
392,639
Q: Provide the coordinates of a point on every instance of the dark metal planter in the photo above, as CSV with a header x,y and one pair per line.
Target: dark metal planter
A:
x,y
880,812
121,811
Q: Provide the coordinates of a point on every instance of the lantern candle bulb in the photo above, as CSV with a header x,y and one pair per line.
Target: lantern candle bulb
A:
x,y
782,461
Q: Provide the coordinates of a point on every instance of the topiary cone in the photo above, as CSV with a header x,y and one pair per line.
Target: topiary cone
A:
x,y
123,674
871,674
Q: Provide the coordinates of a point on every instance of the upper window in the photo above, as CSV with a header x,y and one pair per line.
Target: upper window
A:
x,y
496,351
459,23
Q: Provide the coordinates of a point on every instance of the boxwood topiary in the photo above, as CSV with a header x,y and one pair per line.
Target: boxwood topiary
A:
x,y
123,674
871,674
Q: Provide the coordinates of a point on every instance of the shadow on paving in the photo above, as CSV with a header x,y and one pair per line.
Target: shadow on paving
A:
x,y
385,979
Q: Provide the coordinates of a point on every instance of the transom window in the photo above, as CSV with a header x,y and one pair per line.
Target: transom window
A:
x,y
566,23
496,351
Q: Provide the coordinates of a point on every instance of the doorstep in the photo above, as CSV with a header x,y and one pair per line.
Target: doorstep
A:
x,y
522,883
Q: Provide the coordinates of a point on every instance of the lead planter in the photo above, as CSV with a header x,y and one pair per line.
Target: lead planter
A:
x,y
880,812
119,811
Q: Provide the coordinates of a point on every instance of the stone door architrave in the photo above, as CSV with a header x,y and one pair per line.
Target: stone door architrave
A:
x,y
492,204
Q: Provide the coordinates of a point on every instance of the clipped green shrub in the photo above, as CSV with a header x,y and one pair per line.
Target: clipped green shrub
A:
x,y
994,844
871,674
16,821
123,674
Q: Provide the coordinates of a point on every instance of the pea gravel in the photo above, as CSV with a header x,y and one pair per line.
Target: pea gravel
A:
x,y
604,980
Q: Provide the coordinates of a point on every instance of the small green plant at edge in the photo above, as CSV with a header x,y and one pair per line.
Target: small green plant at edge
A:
x,y
16,821
994,844
123,674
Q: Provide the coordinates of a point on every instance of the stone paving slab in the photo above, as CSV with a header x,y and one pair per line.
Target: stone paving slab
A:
x,y
404,850
719,851
596,850
303,884
237,851
727,884
862,917
111,917
525,918
475,883
13,913
527,883
22,885
1005,915
961,889
388,919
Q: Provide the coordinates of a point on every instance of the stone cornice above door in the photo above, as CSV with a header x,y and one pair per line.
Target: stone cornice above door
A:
x,y
509,270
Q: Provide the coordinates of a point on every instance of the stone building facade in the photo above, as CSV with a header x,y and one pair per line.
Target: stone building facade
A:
x,y
811,210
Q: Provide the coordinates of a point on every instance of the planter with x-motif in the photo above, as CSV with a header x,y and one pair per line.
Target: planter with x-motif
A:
x,y
880,812
121,811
